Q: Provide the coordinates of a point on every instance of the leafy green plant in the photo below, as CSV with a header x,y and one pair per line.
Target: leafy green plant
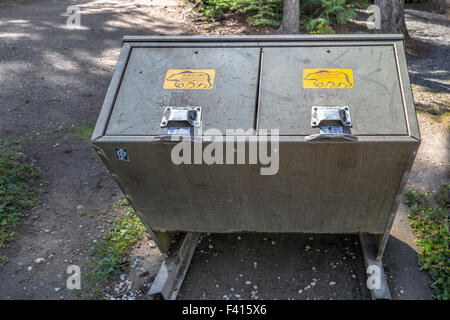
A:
x,y
3,260
261,12
121,203
111,256
317,16
323,27
17,193
258,12
430,221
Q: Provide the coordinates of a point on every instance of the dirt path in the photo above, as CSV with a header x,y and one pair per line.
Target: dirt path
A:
x,y
54,79
430,78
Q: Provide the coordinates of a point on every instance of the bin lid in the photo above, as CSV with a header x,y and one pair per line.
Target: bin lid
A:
x,y
221,81
365,78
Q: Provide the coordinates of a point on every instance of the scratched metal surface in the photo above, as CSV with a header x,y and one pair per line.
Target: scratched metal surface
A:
x,y
141,99
319,188
375,100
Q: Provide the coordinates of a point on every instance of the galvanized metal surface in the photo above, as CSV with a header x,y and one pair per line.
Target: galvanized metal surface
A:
x,y
320,188
407,95
375,99
332,186
266,38
399,195
141,99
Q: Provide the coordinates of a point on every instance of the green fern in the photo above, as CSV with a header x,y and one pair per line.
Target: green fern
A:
x,y
322,14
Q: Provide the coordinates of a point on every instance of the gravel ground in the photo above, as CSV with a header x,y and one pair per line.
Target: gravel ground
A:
x,y
432,71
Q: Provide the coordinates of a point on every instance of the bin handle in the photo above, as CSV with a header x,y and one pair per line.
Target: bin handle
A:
x,y
326,136
189,115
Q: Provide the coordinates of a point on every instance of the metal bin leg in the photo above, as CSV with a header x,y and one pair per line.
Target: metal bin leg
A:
x,y
170,276
370,250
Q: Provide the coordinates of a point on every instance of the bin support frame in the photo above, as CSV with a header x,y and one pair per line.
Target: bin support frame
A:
x,y
374,267
171,274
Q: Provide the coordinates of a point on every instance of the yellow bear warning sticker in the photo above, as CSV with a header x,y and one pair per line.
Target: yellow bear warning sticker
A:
x,y
189,79
327,78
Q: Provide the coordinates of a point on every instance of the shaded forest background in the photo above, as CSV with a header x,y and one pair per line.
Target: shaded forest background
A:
x,y
316,16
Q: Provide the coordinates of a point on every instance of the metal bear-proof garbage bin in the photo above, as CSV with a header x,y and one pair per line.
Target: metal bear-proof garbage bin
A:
x,y
342,105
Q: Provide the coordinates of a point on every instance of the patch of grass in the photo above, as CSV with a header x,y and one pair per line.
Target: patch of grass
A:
x,y
87,214
121,203
78,131
111,256
3,260
92,214
430,221
17,193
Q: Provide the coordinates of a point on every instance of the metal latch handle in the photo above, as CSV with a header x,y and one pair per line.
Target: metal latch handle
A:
x,y
326,136
325,116
189,115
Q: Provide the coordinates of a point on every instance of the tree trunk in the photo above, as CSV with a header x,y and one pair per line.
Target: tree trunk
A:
x,y
392,16
291,17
